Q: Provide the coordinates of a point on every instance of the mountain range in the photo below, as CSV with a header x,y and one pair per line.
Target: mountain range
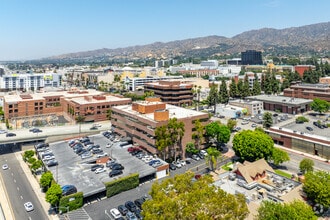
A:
x,y
309,39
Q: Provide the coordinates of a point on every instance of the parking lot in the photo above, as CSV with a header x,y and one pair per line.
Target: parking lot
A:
x,y
74,170
304,127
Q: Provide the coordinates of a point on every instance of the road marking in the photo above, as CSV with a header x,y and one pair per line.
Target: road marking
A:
x,y
17,188
12,174
21,197
14,180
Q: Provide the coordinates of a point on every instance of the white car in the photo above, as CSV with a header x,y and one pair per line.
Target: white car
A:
x,y
28,206
109,145
5,167
104,154
100,170
3,131
204,152
97,125
182,162
115,213
177,164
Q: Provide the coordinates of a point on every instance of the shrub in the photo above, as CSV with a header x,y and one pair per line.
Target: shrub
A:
x,y
122,184
301,119
71,202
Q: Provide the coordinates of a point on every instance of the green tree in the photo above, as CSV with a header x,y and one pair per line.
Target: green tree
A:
x,y
279,156
109,113
212,157
217,131
256,89
320,106
176,130
80,119
162,139
223,92
267,120
233,88
181,198
316,186
223,134
231,124
240,88
213,96
246,87
46,180
191,149
31,160
53,194
306,165
28,154
36,165
253,145
198,134
277,211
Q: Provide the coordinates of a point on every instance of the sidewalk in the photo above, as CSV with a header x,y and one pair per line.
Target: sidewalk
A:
x,y
35,186
7,211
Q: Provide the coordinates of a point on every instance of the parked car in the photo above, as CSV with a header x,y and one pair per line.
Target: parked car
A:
x,y
97,150
130,205
122,209
172,166
115,213
100,170
156,164
94,167
51,163
177,164
3,131
309,128
109,145
110,162
195,157
10,134
117,166
35,130
115,173
86,155
5,167
139,202
254,125
201,155
104,154
131,216
68,190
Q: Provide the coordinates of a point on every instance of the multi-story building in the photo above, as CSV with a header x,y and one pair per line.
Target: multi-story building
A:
x,y
27,82
171,92
282,104
137,82
251,57
200,72
302,68
308,91
91,104
140,120
252,107
210,64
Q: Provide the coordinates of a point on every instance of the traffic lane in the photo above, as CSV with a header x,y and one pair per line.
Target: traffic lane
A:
x,y
20,191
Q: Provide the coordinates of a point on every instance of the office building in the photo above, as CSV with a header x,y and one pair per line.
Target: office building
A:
x,y
308,91
251,57
140,119
138,82
171,92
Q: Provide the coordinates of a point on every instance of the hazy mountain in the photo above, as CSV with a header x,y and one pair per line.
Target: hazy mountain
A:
x,y
295,40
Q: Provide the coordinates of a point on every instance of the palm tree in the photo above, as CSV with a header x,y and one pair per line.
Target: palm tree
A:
x,y
212,157
176,131
80,119
162,139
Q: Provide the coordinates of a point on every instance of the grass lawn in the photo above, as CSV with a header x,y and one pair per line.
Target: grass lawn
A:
x,y
282,173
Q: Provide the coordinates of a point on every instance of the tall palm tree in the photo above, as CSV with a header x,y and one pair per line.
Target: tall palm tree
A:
x,y
79,119
212,157
176,130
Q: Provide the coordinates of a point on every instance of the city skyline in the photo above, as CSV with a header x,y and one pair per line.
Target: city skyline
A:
x,y
39,29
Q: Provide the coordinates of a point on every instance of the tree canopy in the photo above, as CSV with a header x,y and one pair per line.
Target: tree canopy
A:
x,y
267,120
253,145
320,106
306,165
183,198
279,156
218,131
317,187
212,157
278,211
53,195
46,179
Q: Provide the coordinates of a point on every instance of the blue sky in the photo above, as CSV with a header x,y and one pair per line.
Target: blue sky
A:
x,y
32,29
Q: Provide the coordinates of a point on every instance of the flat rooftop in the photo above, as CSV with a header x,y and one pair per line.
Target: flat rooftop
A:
x,y
280,99
174,111
42,95
108,98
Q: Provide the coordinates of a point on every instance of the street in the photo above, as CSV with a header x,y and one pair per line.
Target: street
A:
x,y
18,187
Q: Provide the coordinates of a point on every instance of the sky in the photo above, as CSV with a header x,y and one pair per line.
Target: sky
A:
x,y
34,29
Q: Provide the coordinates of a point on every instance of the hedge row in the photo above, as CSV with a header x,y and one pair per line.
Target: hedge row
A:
x,y
71,202
122,184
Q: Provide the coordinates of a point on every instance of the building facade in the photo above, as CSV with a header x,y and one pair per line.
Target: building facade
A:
x,y
300,69
303,142
93,105
27,82
282,103
251,57
325,80
136,82
308,91
171,92
140,120
252,107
